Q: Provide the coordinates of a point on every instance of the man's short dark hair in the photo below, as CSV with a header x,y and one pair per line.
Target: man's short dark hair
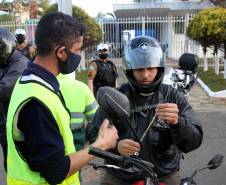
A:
x,y
55,29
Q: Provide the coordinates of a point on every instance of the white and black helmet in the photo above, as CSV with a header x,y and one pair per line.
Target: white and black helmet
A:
x,y
143,52
20,35
102,46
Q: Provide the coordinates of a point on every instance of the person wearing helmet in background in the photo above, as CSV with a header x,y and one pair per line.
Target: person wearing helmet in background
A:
x,y
102,72
176,129
12,64
26,49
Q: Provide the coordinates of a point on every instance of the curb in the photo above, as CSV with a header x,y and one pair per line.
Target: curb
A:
x,y
220,94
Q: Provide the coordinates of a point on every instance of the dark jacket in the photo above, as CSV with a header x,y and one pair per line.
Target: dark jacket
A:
x,y
8,78
163,143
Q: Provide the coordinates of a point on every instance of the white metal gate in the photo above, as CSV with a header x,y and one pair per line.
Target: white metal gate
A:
x,y
169,31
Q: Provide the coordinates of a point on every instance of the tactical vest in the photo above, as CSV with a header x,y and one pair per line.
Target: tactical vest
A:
x,y
106,74
27,88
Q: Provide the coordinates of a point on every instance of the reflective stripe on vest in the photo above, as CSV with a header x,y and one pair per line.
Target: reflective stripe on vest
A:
x,y
19,172
79,100
91,107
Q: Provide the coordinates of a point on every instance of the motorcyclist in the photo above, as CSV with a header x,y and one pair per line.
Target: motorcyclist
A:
x,y
12,64
176,128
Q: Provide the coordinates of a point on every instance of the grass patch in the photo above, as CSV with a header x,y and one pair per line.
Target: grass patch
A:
x,y
213,81
82,76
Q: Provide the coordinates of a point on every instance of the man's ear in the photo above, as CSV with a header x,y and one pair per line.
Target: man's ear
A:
x,y
61,53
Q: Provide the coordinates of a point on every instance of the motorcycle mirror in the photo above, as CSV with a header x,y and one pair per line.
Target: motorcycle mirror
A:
x,y
117,108
188,61
115,105
215,162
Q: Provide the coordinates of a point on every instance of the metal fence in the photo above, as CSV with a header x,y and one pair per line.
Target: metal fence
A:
x,y
29,26
169,31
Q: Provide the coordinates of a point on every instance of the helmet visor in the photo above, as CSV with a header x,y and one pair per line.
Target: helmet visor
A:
x,y
145,54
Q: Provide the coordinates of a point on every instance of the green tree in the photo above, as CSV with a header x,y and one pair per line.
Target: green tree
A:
x,y
94,34
43,5
208,28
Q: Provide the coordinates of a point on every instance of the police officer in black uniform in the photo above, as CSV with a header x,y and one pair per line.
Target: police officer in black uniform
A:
x,y
102,72
25,48
12,64
176,128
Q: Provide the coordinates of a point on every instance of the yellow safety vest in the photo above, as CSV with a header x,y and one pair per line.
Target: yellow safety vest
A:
x,y
26,88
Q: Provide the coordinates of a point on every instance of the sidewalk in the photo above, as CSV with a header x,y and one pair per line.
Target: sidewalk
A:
x,y
203,103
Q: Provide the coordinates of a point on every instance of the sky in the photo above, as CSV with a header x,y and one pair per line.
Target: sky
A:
x,y
93,7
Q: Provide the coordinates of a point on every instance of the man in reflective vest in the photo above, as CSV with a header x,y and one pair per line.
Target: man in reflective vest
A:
x,y
40,143
81,104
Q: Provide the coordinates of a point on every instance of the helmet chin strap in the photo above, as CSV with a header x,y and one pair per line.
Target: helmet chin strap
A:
x,y
146,94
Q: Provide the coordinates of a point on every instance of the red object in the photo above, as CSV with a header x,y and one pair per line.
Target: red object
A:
x,y
142,183
138,183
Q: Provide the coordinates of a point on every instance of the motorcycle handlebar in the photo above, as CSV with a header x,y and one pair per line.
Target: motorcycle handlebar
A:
x,y
123,160
105,154
138,166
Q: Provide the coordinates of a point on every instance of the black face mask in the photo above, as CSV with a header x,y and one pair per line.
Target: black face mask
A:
x,y
20,38
103,55
72,62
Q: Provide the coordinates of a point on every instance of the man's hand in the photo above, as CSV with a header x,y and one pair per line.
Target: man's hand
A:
x,y
107,136
168,112
128,147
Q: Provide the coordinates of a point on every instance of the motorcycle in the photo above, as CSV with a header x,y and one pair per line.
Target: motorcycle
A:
x,y
183,77
144,168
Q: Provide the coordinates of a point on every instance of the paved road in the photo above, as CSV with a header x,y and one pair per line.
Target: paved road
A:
x,y
212,113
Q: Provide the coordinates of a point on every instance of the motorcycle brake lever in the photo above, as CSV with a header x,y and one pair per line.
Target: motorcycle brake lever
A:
x,y
96,166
